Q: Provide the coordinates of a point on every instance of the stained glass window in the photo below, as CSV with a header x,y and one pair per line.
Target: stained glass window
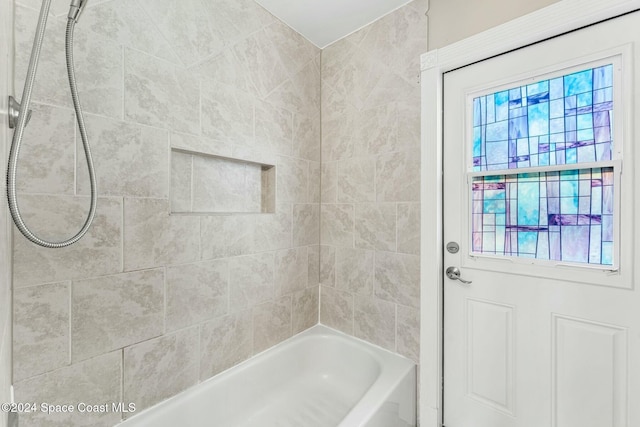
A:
x,y
561,216
563,120
553,212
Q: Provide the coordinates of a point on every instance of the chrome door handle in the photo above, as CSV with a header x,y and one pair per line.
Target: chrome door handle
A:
x,y
453,273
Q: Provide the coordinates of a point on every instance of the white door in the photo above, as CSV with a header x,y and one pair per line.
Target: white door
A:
x,y
548,332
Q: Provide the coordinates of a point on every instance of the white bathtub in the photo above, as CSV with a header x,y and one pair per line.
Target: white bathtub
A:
x,y
319,378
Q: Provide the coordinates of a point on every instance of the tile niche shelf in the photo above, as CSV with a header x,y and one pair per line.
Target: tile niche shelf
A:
x,y
204,184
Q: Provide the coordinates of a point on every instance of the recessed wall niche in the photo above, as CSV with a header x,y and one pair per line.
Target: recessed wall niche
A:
x,y
208,184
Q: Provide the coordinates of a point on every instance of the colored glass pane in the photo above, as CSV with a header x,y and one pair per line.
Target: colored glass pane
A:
x,y
559,121
561,215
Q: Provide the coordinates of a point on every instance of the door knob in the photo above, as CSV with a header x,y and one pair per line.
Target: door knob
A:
x,y
453,273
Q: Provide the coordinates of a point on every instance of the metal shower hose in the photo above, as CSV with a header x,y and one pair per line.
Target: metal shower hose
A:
x,y
19,132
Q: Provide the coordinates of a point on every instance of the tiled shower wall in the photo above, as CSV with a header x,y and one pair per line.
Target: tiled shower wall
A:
x,y
148,303
370,220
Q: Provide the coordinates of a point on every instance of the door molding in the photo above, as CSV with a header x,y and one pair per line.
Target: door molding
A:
x,y
551,21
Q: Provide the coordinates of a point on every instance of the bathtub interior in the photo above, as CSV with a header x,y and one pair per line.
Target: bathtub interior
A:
x,y
316,378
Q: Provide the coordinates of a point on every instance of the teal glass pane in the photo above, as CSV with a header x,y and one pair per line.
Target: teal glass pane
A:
x,y
562,216
557,118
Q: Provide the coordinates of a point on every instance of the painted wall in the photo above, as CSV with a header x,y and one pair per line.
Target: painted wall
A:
x,y
370,233
6,66
148,303
453,20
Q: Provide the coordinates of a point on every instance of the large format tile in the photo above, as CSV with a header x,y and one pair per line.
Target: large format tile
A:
x,y
227,235
181,178
409,228
313,253
336,222
185,27
160,94
130,160
292,180
356,180
99,252
354,270
225,342
47,153
398,177
251,280
271,323
98,66
112,312
375,226
305,309
408,332
328,265
336,309
397,278
274,129
306,224
196,292
227,114
40,329
291,270
152,238
96,381
126,23
375,321
161,368
329,181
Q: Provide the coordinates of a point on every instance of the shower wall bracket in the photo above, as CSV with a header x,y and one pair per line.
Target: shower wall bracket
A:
x,y
14,112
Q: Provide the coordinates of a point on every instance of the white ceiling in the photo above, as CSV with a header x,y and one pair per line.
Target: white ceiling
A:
x,y
325,21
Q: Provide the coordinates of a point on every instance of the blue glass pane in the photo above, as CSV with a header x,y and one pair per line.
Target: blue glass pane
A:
x,y
558,117
562,216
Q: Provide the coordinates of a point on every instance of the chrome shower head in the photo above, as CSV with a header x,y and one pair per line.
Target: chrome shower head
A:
x,y
76,8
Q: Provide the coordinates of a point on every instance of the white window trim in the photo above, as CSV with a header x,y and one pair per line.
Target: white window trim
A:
x,y
554,20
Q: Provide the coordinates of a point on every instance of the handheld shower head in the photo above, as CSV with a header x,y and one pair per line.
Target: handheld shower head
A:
x,y
76,8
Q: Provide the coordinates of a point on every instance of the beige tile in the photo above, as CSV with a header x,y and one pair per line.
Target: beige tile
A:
x,y
409,228
153,238
227,235
336,309
354,270
258,55
292,177
378,129
306,83
328,265
112,312
130,160
225,342
398,177
273,231
274,129
329,190
408,335
227,114
200,144
161,368
306,137
336,222
356,180
271,323
98,60
291,270
335,57
225,68
196,292
219,185
47,153
99,252
338,127
159,94
375,226
130,26
397,278
315,176
375,321
181,178
251,280
293,49
94,381
305,309
392,87
40,329
306,224
314,265
185,27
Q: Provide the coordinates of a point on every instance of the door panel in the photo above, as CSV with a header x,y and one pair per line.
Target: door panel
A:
x,y
535,344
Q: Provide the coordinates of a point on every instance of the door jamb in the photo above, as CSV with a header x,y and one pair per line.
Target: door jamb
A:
x,y
551,21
